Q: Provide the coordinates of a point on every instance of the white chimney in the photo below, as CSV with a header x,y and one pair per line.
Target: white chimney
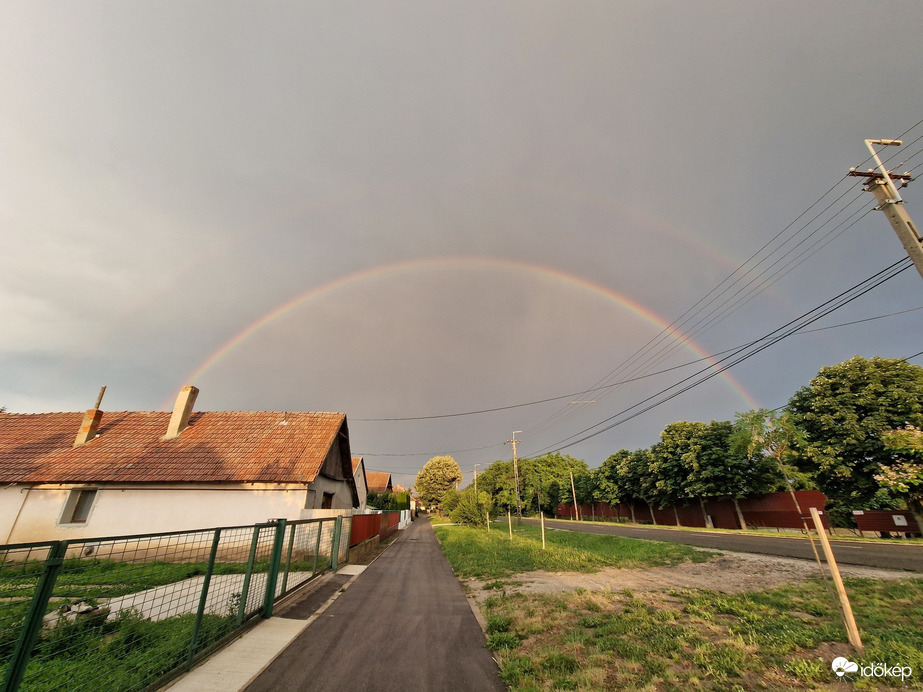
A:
x,y
179,421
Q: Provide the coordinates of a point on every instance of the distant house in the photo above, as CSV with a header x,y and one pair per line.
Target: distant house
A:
x,y
73,475
362,487
379,481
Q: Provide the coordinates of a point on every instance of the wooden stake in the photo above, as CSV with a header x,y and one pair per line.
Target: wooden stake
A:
x,y
543,530
509,519
851,629
487,512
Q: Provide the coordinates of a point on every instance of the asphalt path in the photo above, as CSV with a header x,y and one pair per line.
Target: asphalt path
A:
x,y
907,556
404,624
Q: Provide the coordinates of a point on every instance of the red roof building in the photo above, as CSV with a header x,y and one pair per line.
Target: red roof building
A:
x,y
137,471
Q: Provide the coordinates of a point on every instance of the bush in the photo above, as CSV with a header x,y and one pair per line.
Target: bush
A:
x,y
469,511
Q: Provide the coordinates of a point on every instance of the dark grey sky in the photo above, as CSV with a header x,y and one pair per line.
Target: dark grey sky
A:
x,y
480,203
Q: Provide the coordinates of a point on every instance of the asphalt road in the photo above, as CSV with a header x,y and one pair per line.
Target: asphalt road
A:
x,y
404,624
884,555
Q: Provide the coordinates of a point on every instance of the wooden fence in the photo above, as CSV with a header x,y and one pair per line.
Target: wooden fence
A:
x,y
775,510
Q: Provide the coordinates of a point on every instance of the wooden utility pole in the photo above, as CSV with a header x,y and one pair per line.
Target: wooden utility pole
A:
x,y
574,491
516,473
881,184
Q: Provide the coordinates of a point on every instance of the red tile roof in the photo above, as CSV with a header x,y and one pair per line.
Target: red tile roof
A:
x,y
379,481
218,446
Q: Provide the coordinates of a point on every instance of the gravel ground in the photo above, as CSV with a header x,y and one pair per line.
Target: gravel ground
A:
x,y
729,573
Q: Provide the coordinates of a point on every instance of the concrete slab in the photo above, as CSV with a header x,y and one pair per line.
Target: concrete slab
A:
x,y
236,665
352,569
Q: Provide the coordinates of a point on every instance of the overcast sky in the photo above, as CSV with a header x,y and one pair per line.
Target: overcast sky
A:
x,y
417,208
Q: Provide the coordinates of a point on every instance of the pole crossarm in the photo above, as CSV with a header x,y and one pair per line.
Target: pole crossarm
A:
x,y
880,182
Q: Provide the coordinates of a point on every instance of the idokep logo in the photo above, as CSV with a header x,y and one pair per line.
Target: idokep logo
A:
x,y
842,666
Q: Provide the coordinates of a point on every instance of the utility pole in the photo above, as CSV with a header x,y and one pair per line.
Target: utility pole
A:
x,y
516,473
881,184
574,491
476,482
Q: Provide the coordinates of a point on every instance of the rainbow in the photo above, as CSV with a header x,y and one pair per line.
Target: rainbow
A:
x,y
398,268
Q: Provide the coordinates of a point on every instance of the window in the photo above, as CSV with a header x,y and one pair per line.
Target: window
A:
x,y
78,505
328,501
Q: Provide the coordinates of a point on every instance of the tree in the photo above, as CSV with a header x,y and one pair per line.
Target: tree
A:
x,y
611,486
844,413
719,471
438,475
639,482
904,478
774,437
541,481
450,500
671,461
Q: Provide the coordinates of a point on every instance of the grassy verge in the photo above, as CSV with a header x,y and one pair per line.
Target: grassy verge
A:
x,y
778,639
477,553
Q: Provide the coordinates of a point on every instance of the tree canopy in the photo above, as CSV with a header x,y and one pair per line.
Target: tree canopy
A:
x,y
844,413
437,476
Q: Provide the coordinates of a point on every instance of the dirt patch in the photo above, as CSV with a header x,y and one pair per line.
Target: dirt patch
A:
x,y
728,573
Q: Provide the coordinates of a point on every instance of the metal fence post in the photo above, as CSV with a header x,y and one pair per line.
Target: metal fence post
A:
x,y
16,668
203,598
320,530
244,591
335,544
288,557
275,562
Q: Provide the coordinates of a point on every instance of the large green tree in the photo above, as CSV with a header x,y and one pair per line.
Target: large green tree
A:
x,y
438,475
904,478
542,481
671,463
718,471
621,476
844,412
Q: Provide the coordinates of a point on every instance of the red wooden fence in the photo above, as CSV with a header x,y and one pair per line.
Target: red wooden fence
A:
x,y
776,510
365,526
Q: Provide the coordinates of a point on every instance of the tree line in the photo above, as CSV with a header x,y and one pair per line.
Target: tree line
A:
x,y
854,432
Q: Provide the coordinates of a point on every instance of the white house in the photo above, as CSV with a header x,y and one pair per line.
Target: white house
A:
x,y
73,475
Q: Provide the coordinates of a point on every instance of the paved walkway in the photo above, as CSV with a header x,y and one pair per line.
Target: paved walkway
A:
x,y
402,623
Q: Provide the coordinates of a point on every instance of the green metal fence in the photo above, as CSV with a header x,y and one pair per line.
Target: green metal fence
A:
x,y
128,612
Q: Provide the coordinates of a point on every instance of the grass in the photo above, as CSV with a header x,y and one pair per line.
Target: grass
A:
x,y
692,639
782,638
476,553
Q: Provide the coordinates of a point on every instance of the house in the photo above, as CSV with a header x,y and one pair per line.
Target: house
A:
x,y
362,486
379,481
134,472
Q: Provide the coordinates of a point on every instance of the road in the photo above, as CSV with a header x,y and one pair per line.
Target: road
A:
x,y
906,556
404,624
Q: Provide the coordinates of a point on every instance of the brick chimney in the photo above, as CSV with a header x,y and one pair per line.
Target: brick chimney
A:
x,y
88,427
179,421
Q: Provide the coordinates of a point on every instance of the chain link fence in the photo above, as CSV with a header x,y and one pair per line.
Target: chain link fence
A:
x,y
129,612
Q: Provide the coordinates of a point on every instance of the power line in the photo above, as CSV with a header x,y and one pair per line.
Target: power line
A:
x,y
594,390
773,337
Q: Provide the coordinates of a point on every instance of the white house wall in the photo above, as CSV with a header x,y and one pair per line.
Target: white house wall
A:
x,y
12,499
119,511
342,494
